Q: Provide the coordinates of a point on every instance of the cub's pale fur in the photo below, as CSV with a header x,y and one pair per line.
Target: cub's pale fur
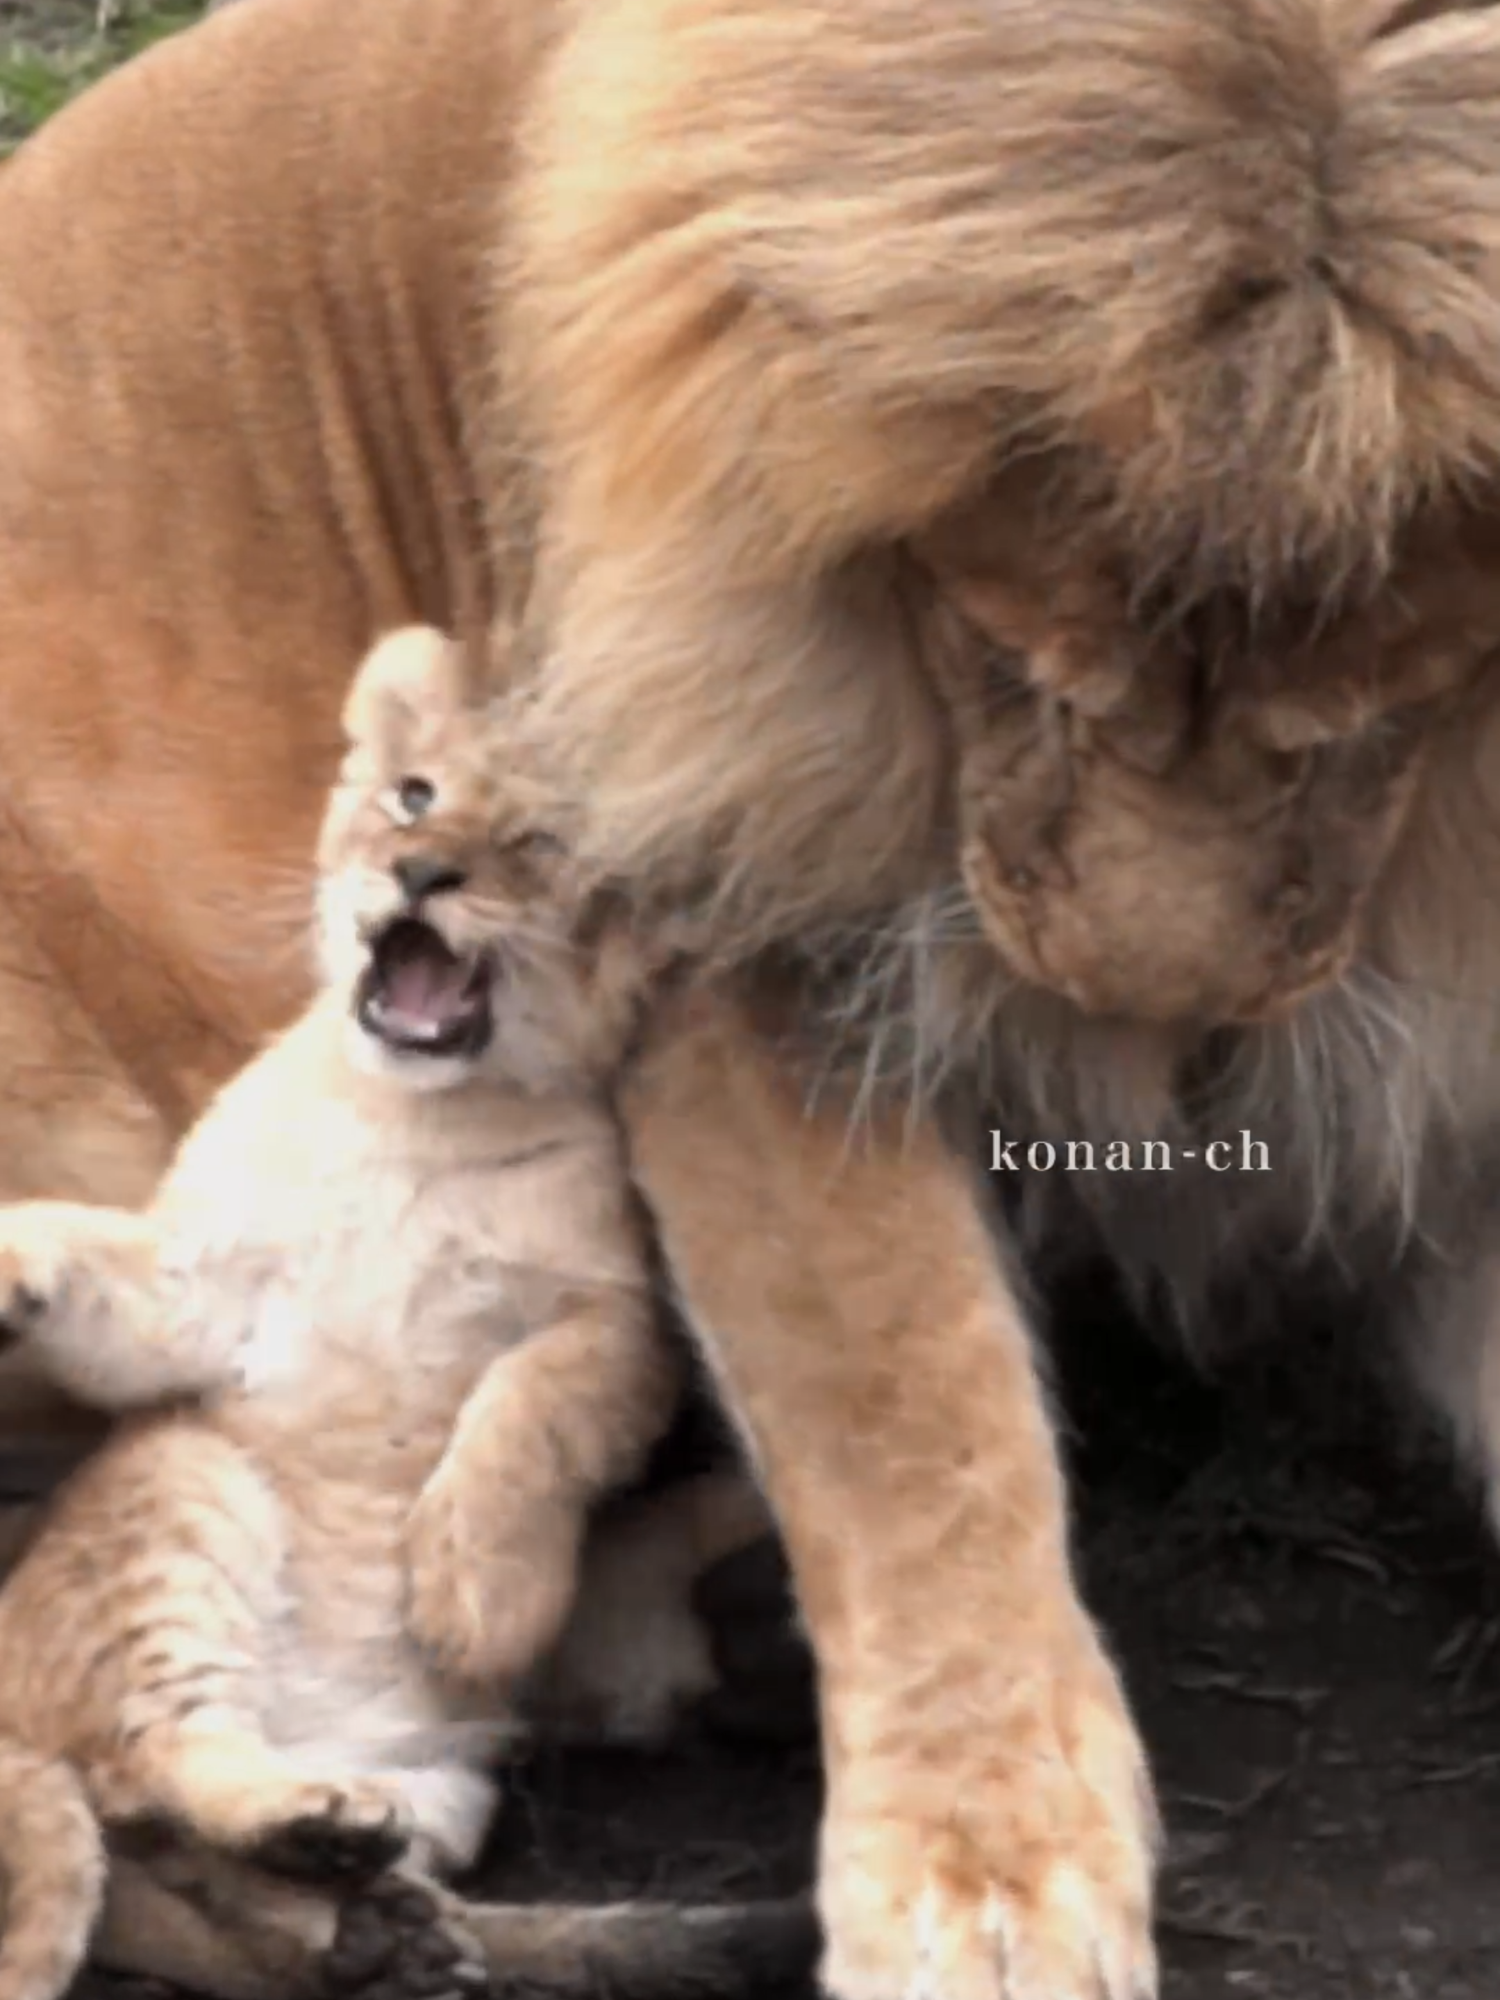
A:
x,y
397,1257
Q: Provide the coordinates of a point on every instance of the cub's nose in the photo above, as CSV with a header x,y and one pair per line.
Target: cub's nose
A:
x,y
421,875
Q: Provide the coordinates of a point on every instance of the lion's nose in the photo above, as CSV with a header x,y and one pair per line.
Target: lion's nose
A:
x,y
420,876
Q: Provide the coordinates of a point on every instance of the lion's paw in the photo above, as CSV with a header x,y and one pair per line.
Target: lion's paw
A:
x,y
492,1577
1012,1864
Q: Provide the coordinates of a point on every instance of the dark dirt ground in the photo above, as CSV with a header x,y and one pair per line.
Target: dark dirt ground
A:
x,y
1309,1619
1308,1612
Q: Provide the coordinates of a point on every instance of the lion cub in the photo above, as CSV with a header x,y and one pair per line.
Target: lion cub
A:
x,y
396,1259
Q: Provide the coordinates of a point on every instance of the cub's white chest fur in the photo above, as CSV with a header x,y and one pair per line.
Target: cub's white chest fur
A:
x,y
320,1213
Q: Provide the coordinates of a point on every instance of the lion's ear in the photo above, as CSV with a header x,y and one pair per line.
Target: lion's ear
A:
x,y
414,672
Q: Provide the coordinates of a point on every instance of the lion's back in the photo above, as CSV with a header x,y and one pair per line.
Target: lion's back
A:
x,y
239,302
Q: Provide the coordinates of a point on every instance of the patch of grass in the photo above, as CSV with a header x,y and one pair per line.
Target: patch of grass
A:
x,y
50,50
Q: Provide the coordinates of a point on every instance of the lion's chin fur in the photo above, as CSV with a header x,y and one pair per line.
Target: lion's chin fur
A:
x,y
1377,1103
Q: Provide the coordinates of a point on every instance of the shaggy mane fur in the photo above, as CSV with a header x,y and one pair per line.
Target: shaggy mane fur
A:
x,y
1210,289
821,268
1227,273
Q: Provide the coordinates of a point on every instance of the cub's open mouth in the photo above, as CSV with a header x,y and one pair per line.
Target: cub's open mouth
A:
x,y
419,996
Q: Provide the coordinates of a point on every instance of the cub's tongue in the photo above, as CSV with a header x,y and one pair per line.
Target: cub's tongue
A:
x,y
422,988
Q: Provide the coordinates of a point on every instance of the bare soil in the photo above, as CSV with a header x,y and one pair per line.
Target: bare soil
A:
x,y
1308,1611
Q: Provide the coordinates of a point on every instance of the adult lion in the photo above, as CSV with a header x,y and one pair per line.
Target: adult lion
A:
x,y
1000,494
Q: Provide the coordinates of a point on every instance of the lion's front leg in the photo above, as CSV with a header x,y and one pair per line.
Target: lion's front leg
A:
x,y
989,1830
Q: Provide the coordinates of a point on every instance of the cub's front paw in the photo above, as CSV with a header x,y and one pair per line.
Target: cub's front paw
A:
x,y
1006,1856
492,1577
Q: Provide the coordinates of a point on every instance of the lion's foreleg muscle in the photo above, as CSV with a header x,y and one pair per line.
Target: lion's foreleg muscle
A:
x,y
989,1827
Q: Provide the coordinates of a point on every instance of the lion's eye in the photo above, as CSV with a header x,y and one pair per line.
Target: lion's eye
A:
x,y
412,797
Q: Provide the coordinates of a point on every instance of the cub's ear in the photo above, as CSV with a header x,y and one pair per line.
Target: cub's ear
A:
x,y
411,672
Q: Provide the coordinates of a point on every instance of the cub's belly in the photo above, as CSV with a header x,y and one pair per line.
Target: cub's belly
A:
x,y
361,1716
347,1688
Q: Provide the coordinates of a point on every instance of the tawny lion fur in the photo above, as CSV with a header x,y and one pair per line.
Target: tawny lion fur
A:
x,y
864,409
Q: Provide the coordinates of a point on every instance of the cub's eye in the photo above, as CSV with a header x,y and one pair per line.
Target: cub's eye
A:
x,y
411,797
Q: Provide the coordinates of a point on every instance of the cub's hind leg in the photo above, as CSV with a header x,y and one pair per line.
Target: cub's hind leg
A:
x,y
52,1865
145,1614
636,1655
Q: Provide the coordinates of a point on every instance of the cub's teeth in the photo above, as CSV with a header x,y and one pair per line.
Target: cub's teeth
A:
x,y
409,1030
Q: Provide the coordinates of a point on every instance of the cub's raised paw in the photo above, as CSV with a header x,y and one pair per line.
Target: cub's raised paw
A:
x,y
343,1835
1013,1863
39,1265
492,1577
400,1939
24,1303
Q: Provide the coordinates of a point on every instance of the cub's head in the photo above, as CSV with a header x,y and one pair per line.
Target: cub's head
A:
x,y
449,907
